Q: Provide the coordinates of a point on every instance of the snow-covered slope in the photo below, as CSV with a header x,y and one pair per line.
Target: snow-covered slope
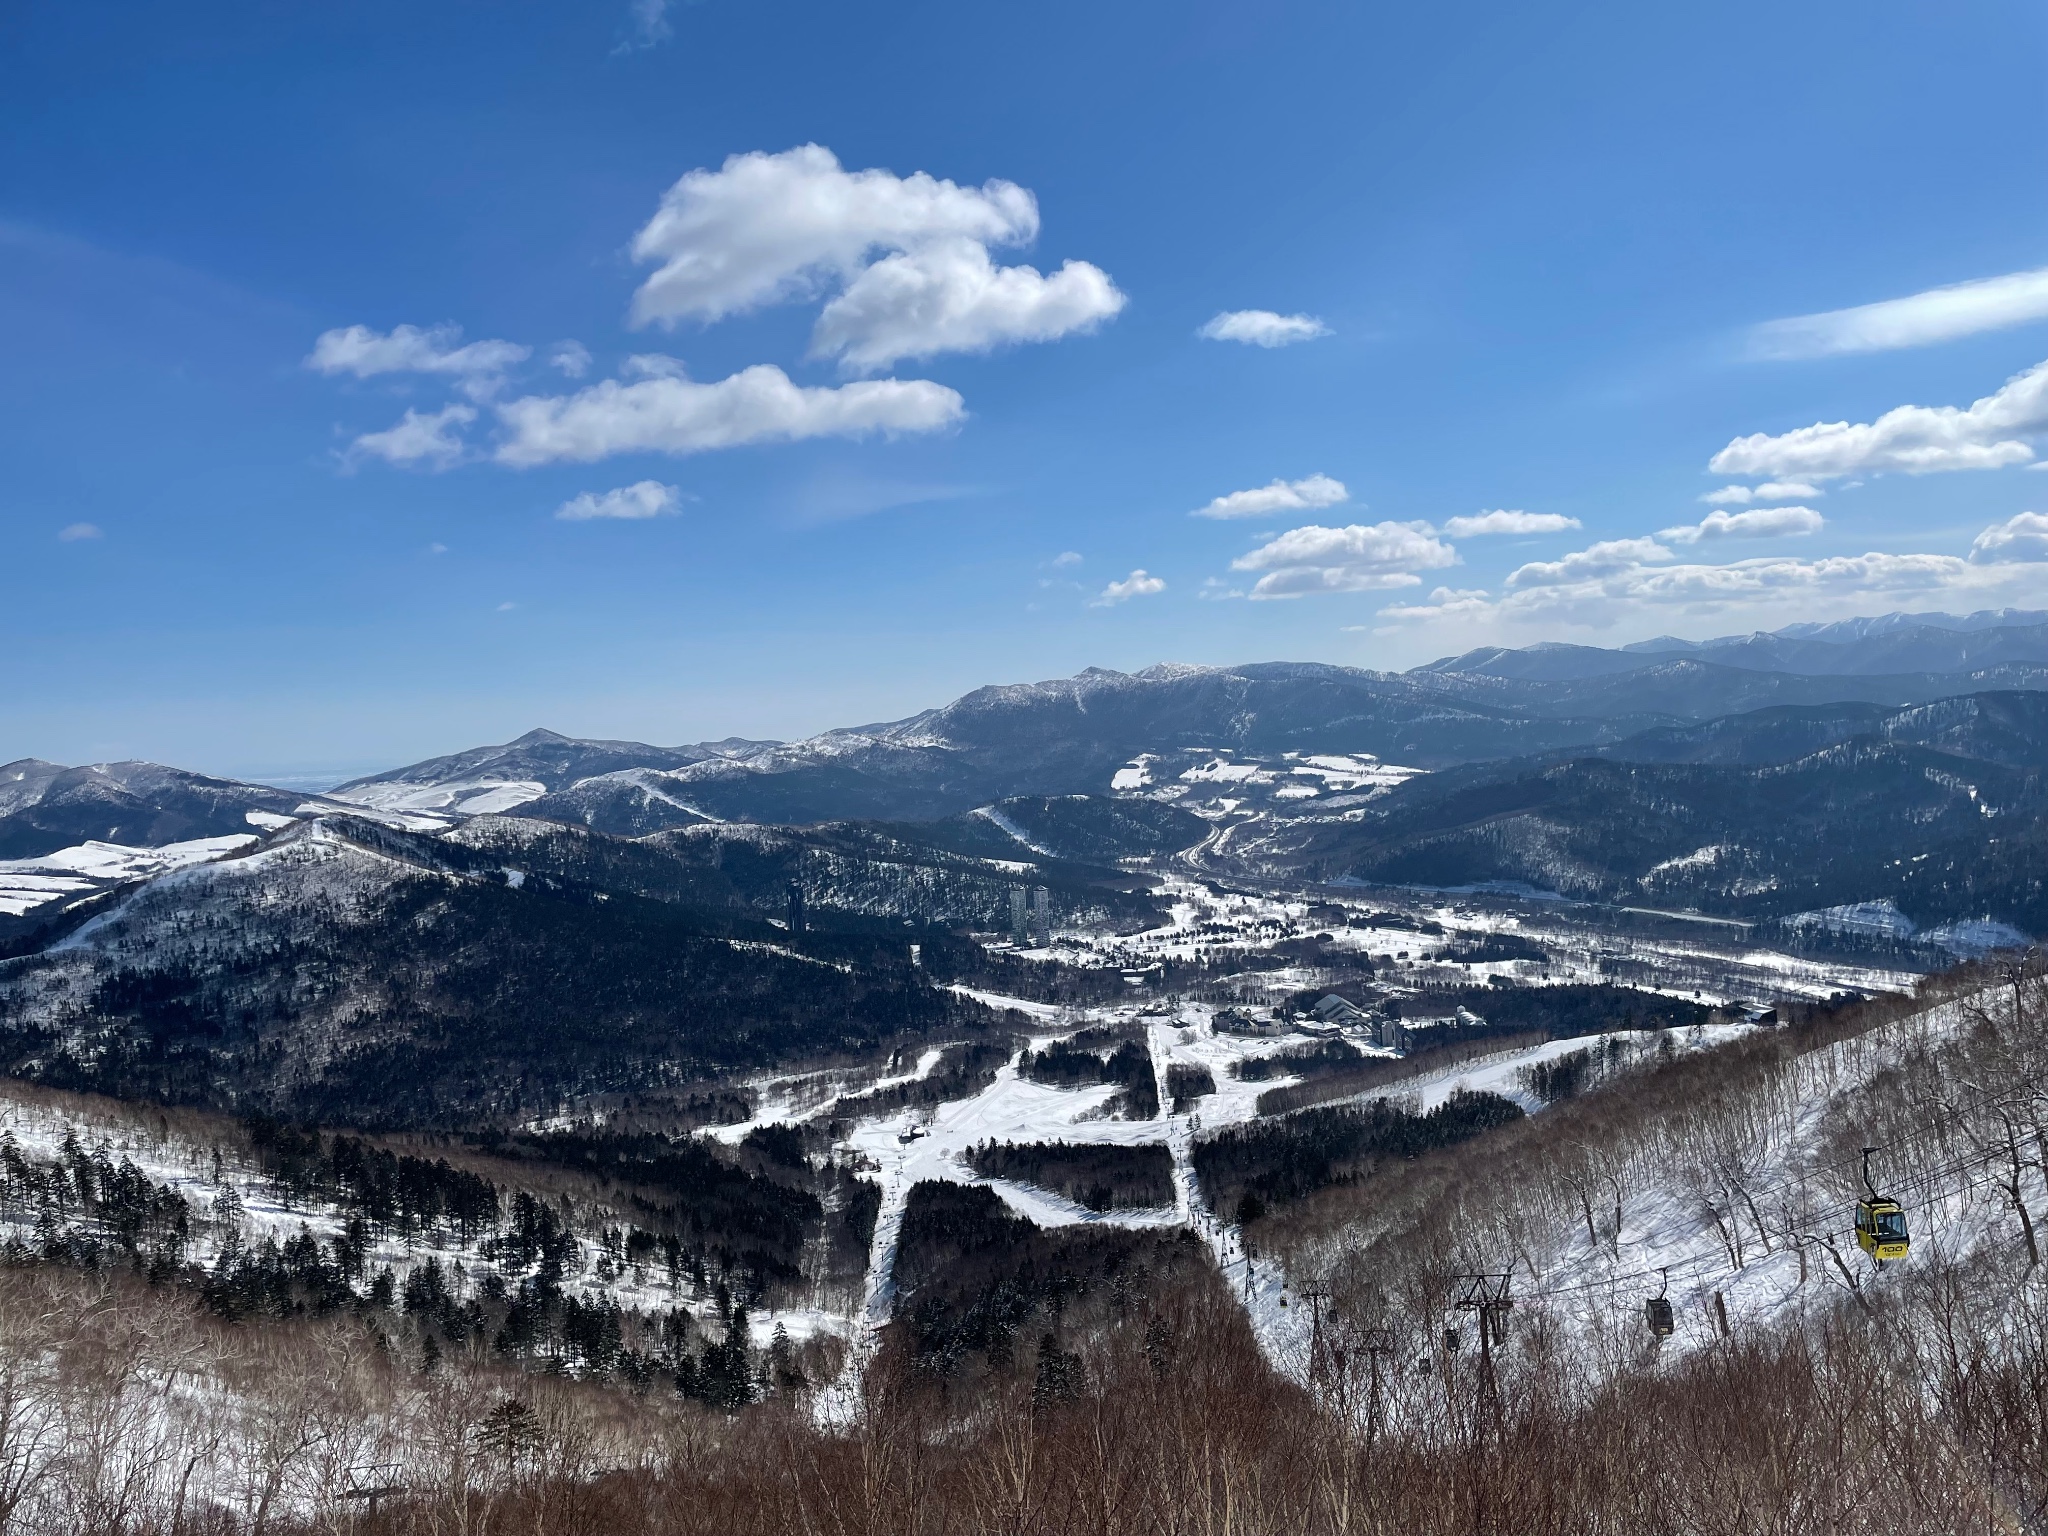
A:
x,y
27,884
45,808
1726,1184
485,780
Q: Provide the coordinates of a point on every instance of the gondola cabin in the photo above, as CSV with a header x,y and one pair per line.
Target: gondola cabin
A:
x,y
1881,1228
1657,1313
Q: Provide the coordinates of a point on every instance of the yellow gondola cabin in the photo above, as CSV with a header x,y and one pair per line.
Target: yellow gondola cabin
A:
x,y
1881,1228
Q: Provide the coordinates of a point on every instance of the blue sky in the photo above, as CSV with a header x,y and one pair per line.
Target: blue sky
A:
x,y
1547,261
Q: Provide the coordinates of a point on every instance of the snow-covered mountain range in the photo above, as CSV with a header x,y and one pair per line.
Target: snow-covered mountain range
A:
x,y
1283,769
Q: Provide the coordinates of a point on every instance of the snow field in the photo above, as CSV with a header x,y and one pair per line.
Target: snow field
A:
x,y
26,884
464,797
814,1095
1731,1212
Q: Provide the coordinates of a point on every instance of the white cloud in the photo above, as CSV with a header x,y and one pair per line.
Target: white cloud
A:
x,y
1615,585
1606,558
766,228
642,499
1262,328
1920,319
2018,539
1358,558
1445,603
837,492
1509,522
572,357
647,25
427,438
669,414
1137,584
654,365
910,252
1760,523
1280,496
358,350
73,532
1064,559
1912,439
506,607
1770,490
947,296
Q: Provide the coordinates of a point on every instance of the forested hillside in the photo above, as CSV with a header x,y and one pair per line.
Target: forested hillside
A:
x,y
345,973
1947,832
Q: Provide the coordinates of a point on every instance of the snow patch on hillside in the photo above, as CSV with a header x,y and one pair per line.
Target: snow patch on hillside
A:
x,y
991,814
26,884
463,797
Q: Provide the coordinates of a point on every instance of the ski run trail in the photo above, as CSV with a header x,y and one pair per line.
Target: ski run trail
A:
x,y
1014,1109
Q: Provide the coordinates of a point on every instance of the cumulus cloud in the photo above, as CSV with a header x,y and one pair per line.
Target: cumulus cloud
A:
x,y
572,357
1782,576
642,499
1770,490
429,439
1761,523
669,413
1138,584
1358,558
1918,320
948,296
766,228
911,254
358,350
1445,603
1607,558
1510,522
1912,439
73,532
1641,580
2018,539
1280,496
1262,328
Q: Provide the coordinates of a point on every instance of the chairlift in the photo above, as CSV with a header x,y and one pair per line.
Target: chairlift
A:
x,y
1451,1341
1880,1221
1657,1310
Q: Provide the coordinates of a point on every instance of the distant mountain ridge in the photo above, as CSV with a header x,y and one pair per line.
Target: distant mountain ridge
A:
x,y
1064,736
1940,808
1865,628
539,762
1071,735
1893,643
45,806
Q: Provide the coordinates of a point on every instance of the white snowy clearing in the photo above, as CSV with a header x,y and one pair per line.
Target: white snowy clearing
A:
x,y
1014,1109
462,797
26,884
